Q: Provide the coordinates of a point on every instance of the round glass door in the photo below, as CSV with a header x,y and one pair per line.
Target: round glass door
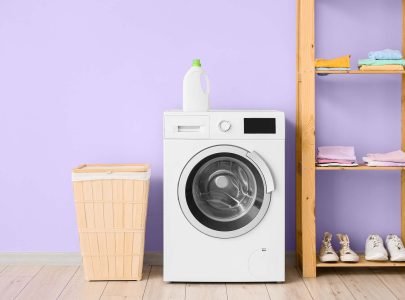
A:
x,y
223,194
224,188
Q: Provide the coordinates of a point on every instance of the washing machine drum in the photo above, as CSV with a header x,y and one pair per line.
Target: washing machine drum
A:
x,y
224,193
224,189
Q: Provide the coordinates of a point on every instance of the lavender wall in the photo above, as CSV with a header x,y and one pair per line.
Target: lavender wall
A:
x,y
88,81
363,111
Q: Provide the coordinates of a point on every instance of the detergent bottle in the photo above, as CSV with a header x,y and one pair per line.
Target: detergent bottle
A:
x,y
195,98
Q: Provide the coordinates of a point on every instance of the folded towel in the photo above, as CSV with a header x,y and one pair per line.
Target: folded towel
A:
x,y
385,54
394,156
339,62
376,163
381,62
333,69
337,152
382,68
337,165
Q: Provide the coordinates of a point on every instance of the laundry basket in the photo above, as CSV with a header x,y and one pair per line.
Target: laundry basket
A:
x,y
111,203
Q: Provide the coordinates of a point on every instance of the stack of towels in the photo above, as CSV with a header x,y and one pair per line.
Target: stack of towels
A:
x,y
335,64
390,159
383,60
330,156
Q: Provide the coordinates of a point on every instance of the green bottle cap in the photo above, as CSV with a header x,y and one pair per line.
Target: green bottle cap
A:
x,y
196,63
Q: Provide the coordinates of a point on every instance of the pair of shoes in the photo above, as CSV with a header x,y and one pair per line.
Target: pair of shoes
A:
x,y
375,248
328,254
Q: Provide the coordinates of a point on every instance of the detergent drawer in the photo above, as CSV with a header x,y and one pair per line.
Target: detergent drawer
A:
x,y
187,127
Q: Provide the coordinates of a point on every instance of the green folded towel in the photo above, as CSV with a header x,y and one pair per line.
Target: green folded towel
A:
x,y
381,62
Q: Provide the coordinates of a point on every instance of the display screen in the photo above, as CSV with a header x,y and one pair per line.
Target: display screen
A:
x,y
260,125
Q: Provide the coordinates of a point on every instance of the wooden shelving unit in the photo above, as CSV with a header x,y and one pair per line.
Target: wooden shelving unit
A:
x,y
360,168
305,145
362,263
358,72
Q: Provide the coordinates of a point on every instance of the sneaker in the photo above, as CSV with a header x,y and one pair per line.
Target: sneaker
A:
x,y
346,254
327,254
375,248
395,247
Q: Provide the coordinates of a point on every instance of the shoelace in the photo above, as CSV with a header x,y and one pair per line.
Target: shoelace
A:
x,y
345,243
346,246
376,241
328,246
397,242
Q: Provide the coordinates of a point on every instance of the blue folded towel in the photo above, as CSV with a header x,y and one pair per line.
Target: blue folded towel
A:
x,y
385,54
380,62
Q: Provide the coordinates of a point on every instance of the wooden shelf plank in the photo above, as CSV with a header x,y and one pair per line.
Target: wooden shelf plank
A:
x,y
359,72
360,168
363,263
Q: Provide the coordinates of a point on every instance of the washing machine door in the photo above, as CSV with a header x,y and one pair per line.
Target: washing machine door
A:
x,y
224,191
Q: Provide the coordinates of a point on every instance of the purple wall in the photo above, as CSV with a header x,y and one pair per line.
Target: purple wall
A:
x,y
88,81
363,111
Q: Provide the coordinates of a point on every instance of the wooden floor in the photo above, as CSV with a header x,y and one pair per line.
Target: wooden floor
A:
x,y
66,282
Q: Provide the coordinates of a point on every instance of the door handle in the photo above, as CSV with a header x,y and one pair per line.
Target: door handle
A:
x,y
264,168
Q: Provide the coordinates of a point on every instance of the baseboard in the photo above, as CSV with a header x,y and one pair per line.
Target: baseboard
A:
x,y
61,258
156,258
74,258
290,258
153,259
40,258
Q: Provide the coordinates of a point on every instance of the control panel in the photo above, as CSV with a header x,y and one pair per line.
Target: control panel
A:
x,y
243,125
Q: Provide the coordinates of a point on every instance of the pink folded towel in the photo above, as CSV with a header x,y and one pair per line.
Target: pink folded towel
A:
x,y
337,152
337,165
338,161
394,156
376,163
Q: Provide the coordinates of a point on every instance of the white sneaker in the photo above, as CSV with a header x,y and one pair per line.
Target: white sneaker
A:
x,y
346,254
375,248
326,253
395,247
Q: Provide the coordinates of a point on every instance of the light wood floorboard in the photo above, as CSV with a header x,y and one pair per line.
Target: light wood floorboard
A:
x,y
48,283
250,291
129,290
364,284
68,283
80,289
156,289
201,291
13,279
394,279
2,268
293,289
327,285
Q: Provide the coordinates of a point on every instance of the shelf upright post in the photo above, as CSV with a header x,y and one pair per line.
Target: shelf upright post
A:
x,y
305,139
403,129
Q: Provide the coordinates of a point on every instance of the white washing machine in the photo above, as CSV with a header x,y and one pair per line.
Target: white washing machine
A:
x,y
224,218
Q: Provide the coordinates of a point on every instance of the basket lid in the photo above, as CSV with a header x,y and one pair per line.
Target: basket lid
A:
x,y
111,168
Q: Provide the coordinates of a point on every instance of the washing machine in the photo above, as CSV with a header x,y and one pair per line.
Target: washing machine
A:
x,y
224,198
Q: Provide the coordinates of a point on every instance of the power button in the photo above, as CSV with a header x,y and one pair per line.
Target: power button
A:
x,y
224,125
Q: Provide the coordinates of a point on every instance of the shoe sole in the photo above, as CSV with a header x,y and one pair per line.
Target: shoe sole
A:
x,y
329,259
399,259
350,260
384,258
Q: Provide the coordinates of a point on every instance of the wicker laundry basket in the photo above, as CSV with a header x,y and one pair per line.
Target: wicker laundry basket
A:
x,y
111,204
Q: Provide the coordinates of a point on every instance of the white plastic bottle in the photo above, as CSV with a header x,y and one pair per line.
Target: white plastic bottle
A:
x,y
194,96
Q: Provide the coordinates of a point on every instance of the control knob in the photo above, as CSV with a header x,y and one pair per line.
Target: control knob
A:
x,y
224,126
